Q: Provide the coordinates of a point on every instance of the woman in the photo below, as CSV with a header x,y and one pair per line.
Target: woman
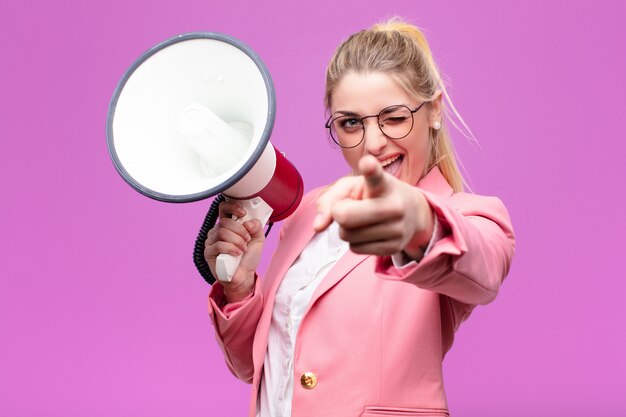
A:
x,y
372,275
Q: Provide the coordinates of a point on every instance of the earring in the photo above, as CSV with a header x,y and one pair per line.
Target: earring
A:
x,y
437,125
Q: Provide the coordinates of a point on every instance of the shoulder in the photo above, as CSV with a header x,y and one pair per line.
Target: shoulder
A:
x,y
310,198
305,209
469,204
482,206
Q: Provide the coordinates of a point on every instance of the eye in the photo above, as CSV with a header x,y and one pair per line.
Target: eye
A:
x,y
349,123
395,115
394,119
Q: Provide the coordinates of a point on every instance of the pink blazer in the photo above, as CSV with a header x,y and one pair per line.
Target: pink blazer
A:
x,y
374,336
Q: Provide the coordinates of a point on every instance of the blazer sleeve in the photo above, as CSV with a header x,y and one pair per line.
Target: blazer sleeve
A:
x,y
235,325
472,259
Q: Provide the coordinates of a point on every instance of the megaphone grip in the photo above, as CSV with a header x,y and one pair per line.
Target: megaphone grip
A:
x,y
226,265
256,208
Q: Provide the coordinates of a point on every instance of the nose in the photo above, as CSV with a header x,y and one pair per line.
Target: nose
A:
x,y
375,140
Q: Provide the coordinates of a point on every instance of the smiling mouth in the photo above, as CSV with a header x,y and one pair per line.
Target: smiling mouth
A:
x,y
392,165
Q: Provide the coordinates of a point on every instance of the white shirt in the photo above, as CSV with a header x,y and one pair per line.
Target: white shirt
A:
x,y
291,301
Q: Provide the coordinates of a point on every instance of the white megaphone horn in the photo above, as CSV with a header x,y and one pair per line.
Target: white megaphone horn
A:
x,y
190,119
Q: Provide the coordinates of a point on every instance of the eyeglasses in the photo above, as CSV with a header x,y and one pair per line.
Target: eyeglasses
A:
x,y
348,131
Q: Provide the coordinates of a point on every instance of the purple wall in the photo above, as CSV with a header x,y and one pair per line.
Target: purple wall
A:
x,y
101,310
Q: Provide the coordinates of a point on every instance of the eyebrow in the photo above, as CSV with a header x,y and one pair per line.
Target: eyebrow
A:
x,y
390,109
346,113
351,113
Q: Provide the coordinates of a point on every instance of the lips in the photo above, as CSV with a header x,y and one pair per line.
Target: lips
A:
x,y
392,165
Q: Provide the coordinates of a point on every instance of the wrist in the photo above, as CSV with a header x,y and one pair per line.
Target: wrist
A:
x,y
237,292
416,247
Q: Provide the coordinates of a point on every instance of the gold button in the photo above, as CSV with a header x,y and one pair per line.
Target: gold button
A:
x,y
308,380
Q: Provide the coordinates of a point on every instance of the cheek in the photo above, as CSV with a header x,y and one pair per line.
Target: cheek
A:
x,y
352,157
423,146
418,151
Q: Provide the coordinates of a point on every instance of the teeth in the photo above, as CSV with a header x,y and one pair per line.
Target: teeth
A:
x,y
388,161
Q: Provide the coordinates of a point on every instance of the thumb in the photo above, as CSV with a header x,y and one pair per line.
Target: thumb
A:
x,y
376,184
252,256
255,228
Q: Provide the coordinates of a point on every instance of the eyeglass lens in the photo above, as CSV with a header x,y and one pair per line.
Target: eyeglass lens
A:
x,y
395,122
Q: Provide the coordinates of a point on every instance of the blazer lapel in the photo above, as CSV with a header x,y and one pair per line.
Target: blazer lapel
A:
x,y
299,234
342,267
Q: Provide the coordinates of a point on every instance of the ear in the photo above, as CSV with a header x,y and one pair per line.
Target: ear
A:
x,y
436,108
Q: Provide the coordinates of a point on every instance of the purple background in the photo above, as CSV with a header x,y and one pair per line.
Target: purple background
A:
x,y
101,310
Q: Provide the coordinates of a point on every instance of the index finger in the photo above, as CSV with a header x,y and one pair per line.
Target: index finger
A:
x,y
374,176
229,209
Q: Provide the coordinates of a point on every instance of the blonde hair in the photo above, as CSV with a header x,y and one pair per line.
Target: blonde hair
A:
x,y
400,49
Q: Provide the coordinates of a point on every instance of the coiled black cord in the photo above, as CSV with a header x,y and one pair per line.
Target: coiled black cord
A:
x,y
198,250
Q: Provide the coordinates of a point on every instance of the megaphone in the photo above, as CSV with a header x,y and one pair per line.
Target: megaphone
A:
x,y
190,119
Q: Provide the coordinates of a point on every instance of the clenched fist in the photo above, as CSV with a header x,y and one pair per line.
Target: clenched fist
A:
x,y
377,213
233,238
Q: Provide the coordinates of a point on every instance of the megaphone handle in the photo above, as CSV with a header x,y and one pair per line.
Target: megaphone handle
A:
x,y
256,208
